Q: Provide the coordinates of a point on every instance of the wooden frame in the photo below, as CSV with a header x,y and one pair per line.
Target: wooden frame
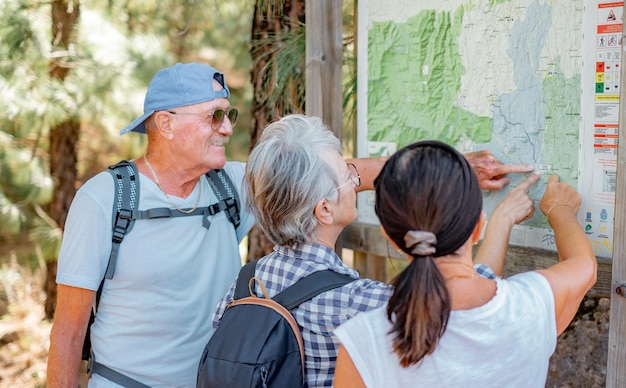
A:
x,y
616,361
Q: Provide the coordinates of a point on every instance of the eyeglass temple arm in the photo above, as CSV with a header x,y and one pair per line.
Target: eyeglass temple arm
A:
x,y
368,168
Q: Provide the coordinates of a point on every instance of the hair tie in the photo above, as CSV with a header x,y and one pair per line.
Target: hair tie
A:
x,y
423,243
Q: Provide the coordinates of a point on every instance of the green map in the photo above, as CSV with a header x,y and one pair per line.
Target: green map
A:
x,y
497,75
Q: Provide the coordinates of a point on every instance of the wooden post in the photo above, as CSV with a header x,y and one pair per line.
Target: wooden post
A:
x,y
324,51
324,62
371,266
616,360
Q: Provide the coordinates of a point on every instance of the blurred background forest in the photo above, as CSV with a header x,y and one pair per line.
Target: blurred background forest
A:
x,y
72,73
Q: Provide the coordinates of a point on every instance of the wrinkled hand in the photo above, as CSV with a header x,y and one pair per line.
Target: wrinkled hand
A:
x,y
490,171
517,205
557,194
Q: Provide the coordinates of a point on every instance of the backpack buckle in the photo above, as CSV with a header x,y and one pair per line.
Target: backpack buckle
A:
x,y
232,210
90,363
209,211
122,222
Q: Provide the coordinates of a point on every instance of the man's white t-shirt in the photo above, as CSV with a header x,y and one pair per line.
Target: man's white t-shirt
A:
x,y
154,316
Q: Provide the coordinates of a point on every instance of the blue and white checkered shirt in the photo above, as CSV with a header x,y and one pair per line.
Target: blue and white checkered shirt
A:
x,y
319,316
485,271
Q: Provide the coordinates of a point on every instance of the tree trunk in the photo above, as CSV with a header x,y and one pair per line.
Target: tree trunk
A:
x,y
63,136
271,20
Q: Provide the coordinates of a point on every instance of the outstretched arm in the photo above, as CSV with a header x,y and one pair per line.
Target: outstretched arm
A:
x,y
514,208
490,171
575,274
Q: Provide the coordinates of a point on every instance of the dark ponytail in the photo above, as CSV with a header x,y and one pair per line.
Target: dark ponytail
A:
x,y
428,202
418,310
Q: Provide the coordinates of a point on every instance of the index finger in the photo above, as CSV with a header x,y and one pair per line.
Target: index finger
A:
x,y
554,178
526,183
511,168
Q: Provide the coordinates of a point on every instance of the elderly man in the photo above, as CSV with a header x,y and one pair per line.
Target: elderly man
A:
x,y
153,316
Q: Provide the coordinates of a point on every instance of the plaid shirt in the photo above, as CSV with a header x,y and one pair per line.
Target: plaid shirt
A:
x,y
485,271
319,316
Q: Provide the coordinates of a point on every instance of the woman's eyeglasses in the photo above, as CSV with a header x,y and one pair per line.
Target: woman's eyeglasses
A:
x,y
355,177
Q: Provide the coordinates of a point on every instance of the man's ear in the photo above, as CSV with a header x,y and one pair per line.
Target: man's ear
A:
x,y
163,121
324,212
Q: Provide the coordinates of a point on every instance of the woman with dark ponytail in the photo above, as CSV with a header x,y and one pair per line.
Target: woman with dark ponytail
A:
x,y
444,325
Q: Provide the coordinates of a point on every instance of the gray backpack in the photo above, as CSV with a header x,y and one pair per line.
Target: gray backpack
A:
x,y
126,178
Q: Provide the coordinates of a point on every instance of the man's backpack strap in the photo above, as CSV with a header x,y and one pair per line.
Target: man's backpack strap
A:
x,y
126,180
126,197
226,194
114,376
125,203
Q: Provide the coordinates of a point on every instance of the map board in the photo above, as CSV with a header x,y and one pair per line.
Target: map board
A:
x,y
535,82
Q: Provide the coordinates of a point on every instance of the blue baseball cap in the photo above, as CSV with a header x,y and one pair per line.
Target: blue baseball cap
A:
x,y
179,85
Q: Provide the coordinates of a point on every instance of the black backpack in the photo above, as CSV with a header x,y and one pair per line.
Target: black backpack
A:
x,y
258,342
125,203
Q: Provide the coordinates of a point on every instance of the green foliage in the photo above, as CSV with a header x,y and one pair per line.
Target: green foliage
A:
x,y
117,47
284,69
21,31
349,78
284,58
21,176
45,235
24,181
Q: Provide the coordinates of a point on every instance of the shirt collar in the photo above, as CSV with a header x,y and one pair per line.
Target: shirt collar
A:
x,y
314,252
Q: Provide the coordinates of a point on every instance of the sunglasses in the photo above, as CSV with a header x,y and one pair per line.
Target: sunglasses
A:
x,y
216,118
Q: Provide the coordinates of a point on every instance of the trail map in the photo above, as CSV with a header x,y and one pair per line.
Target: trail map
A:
x,y
499,75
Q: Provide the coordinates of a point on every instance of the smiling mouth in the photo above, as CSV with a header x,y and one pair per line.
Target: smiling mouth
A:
x,y
220,143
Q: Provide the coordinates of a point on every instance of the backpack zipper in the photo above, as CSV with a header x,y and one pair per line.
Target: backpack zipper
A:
x,y
264,376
